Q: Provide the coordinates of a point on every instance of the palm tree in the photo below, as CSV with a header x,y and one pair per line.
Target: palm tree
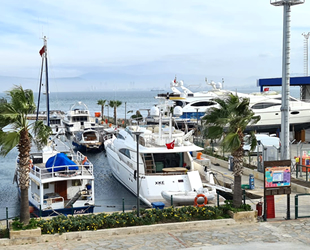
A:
x,y
13,115
229,122
115,105
102,103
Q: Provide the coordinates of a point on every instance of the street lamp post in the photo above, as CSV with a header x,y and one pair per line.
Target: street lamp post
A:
x,y
137,133
285,126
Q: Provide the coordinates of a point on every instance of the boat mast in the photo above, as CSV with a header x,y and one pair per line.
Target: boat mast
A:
x,y
46,85
43,53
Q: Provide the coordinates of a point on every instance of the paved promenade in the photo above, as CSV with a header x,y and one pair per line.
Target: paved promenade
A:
x,y
284,234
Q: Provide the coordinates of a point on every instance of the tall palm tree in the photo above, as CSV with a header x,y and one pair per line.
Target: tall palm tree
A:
x,y
13,115
101,103
115,105
229,121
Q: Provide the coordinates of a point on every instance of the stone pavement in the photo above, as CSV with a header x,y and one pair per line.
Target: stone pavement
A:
x,y
285,234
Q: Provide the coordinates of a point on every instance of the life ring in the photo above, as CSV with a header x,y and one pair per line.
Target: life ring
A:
x,y
85,159
196,199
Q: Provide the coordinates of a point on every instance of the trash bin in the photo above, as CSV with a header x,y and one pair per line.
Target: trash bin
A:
x,y
230,163
251,181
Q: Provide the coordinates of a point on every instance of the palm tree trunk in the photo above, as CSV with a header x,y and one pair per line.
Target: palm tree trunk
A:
x,y
24,207
102,112
115,116
23,171
237,197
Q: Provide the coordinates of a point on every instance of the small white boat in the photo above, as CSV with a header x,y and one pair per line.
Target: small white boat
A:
x,y
87,140
187,198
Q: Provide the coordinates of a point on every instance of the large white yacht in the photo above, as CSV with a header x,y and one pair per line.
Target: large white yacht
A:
x,y
78,118
165,161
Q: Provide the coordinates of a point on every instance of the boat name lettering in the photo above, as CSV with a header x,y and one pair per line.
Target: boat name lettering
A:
x,y
159,183
82,211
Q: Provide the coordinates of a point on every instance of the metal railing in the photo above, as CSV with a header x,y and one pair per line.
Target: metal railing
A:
x,y
296,206
302,172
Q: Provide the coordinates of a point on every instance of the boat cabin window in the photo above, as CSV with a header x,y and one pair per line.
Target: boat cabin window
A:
x,y
125,152
75,183
79,118
264,105
179,103
203,104
57,122
119,136
45,186
169,160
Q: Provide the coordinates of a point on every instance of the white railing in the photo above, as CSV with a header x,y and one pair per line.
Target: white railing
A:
x,y
55,202
84,169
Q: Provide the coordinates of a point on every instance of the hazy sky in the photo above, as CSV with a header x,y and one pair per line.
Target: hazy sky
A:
x,y
219,38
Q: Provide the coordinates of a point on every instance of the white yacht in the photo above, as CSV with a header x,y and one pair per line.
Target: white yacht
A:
x,y
165,161
78,118
88,140
61,181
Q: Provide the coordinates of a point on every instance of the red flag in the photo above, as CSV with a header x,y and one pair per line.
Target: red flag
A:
x,y
170,145
41,52
266,89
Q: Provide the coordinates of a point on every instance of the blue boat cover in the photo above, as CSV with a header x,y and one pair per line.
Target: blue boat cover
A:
x,y
62,161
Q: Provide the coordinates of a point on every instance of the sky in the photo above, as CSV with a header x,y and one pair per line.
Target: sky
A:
x,y
97,45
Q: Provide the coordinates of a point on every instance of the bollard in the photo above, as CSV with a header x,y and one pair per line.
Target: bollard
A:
x,y
243,195
7,219
123,205
171,200
218,198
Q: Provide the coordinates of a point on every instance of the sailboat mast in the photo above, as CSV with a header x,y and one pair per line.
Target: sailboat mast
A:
x,y
46,84
40,84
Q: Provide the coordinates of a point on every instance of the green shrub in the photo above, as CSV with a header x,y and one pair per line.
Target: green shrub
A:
x,y
61,223
229,206
17,225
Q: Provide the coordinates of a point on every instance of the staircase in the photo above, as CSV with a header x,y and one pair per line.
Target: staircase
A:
x,y
74,199
149,163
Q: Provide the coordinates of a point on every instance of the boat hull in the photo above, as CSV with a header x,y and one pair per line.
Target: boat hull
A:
x,y
65,211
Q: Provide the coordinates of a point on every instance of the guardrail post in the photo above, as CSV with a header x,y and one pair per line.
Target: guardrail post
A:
x,y
296,206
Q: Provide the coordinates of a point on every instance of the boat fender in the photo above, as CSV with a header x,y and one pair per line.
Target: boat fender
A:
x,y
85,159
30,164
204,202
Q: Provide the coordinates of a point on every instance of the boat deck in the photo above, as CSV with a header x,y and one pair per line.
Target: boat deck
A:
x,y
40,171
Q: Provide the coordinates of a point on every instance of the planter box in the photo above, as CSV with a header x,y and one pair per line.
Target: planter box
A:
x,y
25,234
245,216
